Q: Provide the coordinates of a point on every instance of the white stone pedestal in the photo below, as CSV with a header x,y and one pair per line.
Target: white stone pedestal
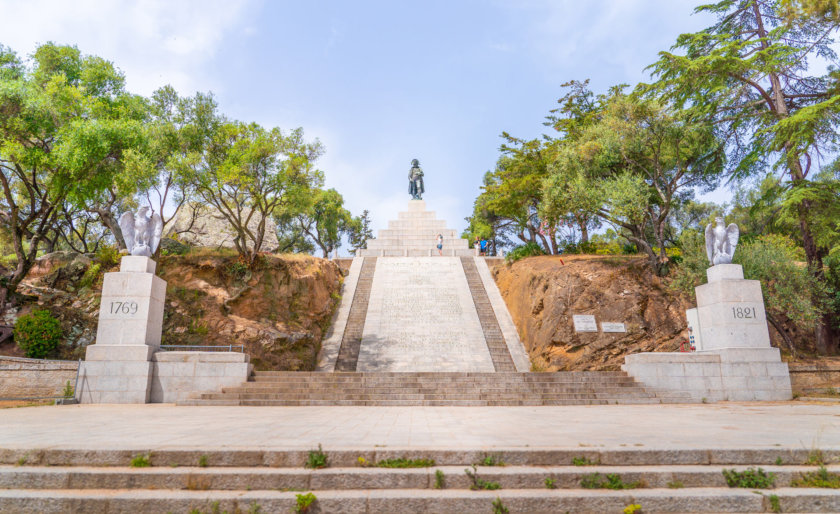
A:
x,y
118,367
734,360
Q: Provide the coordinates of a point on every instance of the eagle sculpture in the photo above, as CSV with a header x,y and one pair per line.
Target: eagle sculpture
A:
x,y
721,242
142,232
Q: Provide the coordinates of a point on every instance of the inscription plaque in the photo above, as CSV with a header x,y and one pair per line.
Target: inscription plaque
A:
x,y
613,327
585,323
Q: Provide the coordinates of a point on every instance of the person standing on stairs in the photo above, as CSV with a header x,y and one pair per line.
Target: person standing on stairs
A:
x,y
440,244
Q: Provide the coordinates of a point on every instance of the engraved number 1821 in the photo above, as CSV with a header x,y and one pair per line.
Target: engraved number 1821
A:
x,y
743,312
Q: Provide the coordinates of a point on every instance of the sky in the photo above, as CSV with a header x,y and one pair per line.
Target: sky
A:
x,y
379,83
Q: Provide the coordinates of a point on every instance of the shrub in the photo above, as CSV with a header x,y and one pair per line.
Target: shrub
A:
x,y
440,479
90,276
583,461
613,481
633,508
304,501
499,507
37,334
550,483
789,289
492,460
107,256
69,391
820,478
317,459
750,478
478,484
527,250
141,461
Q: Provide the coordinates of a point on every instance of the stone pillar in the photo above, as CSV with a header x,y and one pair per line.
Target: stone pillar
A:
x,y
118,367
734,360
730,310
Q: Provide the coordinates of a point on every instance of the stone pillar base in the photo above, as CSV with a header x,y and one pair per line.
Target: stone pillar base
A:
x,y
115,381
735,374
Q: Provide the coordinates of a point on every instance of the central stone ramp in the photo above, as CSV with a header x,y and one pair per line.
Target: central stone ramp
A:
x,y
278,388
421,317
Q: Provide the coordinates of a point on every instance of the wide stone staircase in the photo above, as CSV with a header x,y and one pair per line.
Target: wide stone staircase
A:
x,y
524,480
267,388
414,234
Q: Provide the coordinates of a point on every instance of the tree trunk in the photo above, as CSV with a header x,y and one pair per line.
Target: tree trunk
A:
x,y
107,218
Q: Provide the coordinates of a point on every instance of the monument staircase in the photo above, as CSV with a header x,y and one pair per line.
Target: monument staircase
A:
x,y
60,480
418,328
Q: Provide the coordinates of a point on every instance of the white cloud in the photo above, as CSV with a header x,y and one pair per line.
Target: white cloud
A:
x,y
155,42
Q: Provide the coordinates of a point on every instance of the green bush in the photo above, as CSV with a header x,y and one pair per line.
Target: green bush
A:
x,y
750,478
527,250
789,289
90,275
107,255
316,459
304,501
820,478
37,334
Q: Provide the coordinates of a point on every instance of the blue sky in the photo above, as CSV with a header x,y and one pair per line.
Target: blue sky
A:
x,y
379,83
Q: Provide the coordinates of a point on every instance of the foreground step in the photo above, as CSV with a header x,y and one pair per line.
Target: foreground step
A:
x,y
175,458
413,500
242,478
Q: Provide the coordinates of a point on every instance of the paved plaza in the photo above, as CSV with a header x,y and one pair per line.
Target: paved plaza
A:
x,y
794,425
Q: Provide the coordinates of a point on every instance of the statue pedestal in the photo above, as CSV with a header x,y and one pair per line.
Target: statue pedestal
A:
x,y
118,368
730,311
734,359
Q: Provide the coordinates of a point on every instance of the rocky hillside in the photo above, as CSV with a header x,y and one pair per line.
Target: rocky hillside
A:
x,y
542,294
280,310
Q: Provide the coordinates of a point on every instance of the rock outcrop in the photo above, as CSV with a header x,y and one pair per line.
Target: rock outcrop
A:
x,y
206,227
279,310
542,294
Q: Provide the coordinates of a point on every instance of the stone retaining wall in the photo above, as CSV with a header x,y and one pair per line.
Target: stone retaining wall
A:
x,y
818,377
21,377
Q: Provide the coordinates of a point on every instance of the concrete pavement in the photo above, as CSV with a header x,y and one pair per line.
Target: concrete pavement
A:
x,y
793,425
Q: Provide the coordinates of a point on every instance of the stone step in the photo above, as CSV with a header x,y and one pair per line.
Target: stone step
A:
x,y
446,374
442,381
444,393
419,243
342,478
309,395
459,501
174,457
428,403
398,233
415,252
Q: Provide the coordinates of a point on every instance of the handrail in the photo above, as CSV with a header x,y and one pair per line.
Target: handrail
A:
x,y
189,347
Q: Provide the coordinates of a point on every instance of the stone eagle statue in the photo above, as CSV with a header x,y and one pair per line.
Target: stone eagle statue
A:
x,y
142,232
721,242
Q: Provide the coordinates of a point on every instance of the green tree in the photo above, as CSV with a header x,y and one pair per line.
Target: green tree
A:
x,y
67,122
326,220
749,74
248,173
360,231
632,166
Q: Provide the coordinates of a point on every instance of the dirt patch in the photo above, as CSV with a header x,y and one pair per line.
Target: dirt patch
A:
x,y
279,310
542,294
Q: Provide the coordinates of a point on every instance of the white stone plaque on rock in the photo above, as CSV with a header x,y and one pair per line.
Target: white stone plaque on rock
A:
x,y
585,323
613,327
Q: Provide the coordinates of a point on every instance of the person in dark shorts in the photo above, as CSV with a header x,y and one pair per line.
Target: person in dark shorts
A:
x,y
483,247
440,244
